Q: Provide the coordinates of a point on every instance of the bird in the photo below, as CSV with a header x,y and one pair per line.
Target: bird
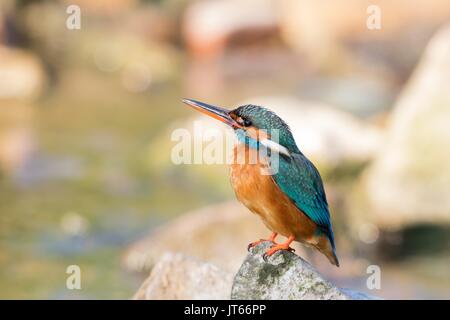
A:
x,y
290,200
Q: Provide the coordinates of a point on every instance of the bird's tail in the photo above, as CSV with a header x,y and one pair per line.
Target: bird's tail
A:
x,y
326,246
331,255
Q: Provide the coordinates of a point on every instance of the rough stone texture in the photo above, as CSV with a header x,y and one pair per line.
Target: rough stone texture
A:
x,y
409,181
220,234
285,276
176,276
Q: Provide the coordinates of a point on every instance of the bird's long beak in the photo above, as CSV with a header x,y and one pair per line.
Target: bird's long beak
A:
x,y
218,113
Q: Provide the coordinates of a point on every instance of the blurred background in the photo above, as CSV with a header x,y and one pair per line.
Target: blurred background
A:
x,y
86,117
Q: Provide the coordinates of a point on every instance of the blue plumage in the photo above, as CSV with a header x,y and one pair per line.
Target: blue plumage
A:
x,y
296,176
299,179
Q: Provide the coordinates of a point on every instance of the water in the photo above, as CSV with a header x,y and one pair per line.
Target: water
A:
x,y
77,185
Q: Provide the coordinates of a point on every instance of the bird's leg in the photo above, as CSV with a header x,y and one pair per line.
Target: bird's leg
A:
x,y
271,239
278,247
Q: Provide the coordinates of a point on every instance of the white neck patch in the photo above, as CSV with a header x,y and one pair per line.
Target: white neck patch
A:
x,y
274,146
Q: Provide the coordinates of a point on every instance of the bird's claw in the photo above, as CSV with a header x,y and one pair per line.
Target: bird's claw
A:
x,y
271,252
251,245
254,244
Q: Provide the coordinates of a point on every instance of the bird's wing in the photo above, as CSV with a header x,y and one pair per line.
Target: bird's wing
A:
x,y
299,179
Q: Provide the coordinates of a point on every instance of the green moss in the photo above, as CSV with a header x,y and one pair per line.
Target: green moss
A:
x,y
269,272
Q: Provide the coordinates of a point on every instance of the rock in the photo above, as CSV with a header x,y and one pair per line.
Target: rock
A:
x,y
218,234
409,181
285,276
176,276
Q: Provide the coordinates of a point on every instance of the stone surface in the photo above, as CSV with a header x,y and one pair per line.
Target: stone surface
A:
x,y
220,234
285,276
409,182
176,276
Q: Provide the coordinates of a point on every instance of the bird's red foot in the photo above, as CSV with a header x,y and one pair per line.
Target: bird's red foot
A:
x,y
271,239
278,247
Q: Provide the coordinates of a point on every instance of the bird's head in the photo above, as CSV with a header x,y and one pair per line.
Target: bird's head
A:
x,y
251,122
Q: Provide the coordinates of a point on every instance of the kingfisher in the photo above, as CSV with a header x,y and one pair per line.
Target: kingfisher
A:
x,y
290,199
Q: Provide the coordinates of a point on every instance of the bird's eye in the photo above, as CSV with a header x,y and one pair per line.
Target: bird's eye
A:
x,y
247,122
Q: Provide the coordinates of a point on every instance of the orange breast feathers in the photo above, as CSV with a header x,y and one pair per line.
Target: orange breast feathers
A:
x,y
260,194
